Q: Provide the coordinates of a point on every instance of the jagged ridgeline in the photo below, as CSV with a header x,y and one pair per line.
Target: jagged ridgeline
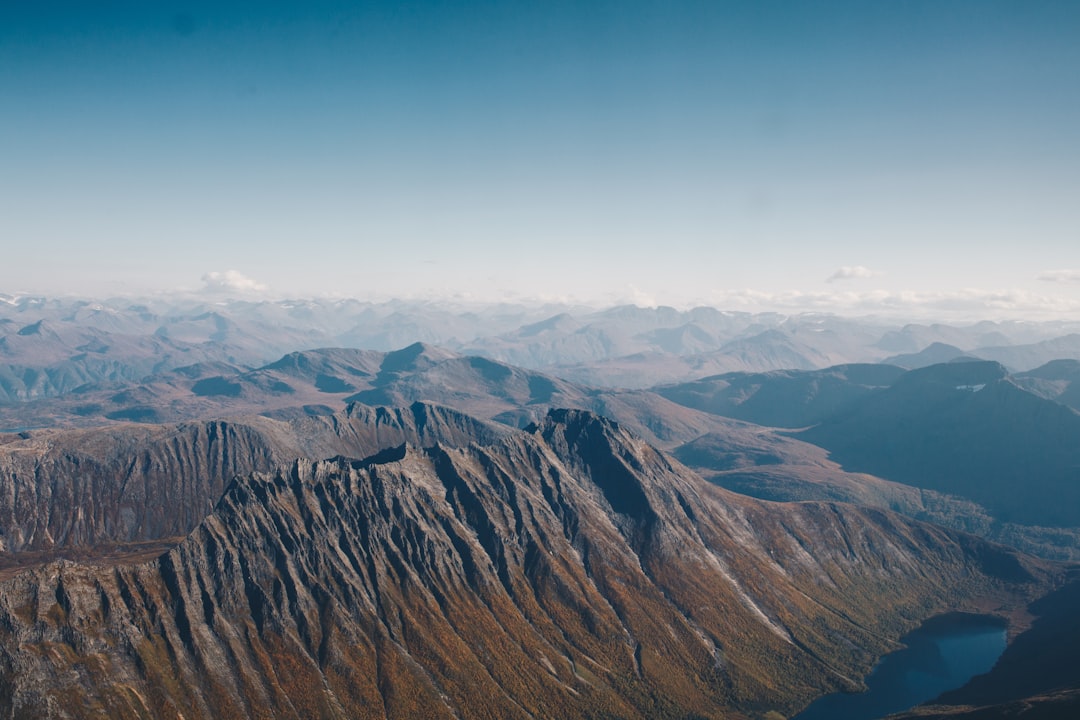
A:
x,y
132,484
568,570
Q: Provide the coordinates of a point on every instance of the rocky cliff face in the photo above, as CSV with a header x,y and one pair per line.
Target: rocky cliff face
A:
x,y
567,571
61,490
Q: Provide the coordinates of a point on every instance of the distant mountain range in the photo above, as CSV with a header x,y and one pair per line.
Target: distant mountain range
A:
x,y
52,346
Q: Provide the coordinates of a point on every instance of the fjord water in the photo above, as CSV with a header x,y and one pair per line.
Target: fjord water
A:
x,y
941,655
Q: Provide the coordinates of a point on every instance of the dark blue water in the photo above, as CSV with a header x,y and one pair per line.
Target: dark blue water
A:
x,y
941,655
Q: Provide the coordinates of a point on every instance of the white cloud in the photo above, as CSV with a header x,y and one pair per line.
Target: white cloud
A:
x,y
231,281
1060,276
641,298
852,272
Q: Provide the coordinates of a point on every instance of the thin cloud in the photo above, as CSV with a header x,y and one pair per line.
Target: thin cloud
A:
x,y
852,272
231,281
964,304
1060,276
642,299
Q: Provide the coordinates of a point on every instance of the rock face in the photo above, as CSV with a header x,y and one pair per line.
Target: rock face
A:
x,y
136,483
569,570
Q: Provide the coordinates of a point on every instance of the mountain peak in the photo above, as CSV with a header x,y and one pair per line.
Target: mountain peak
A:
x,y
618,464
417,356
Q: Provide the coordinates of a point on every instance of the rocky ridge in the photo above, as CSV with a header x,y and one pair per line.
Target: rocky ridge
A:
x,y
134,483
569,570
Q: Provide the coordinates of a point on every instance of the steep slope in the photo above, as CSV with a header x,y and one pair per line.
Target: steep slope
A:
x,y
571,571
965,442
783,398
1058,380
758,462
966,429
61,491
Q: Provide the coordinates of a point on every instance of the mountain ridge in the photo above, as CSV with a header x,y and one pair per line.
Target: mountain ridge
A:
x,y
514,579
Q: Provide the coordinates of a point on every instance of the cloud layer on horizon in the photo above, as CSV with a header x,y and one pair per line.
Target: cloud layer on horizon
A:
x,y
852,272
963,304
231,281
1060,276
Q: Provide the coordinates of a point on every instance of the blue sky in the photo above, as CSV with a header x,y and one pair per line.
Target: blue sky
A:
x,y
829,155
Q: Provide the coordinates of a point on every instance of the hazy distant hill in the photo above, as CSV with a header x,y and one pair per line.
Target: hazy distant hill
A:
x,y
1057,380
783,398
40,360
795,345
1028,357
55,345
932,354
1016,357
915,337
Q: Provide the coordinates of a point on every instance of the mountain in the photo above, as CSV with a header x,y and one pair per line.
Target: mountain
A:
x,y
915,337
321,382
962,444
782,398
932,354
1027,357
569,570
1022,357
1057,380
69,492
38,360
796,345
966,429
51,346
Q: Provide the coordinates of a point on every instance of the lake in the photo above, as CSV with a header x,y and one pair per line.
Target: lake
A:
x,y
941,655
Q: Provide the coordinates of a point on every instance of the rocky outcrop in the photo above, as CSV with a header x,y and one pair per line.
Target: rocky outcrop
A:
x,y
126,484
567,571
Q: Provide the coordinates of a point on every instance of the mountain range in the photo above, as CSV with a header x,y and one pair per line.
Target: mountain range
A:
x,y
50,346
344,509
567,568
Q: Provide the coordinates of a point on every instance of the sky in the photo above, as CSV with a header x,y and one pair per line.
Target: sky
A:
x,y
848,157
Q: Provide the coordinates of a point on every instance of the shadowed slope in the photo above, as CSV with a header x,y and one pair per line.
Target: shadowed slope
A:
x,y
122,484
966,429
